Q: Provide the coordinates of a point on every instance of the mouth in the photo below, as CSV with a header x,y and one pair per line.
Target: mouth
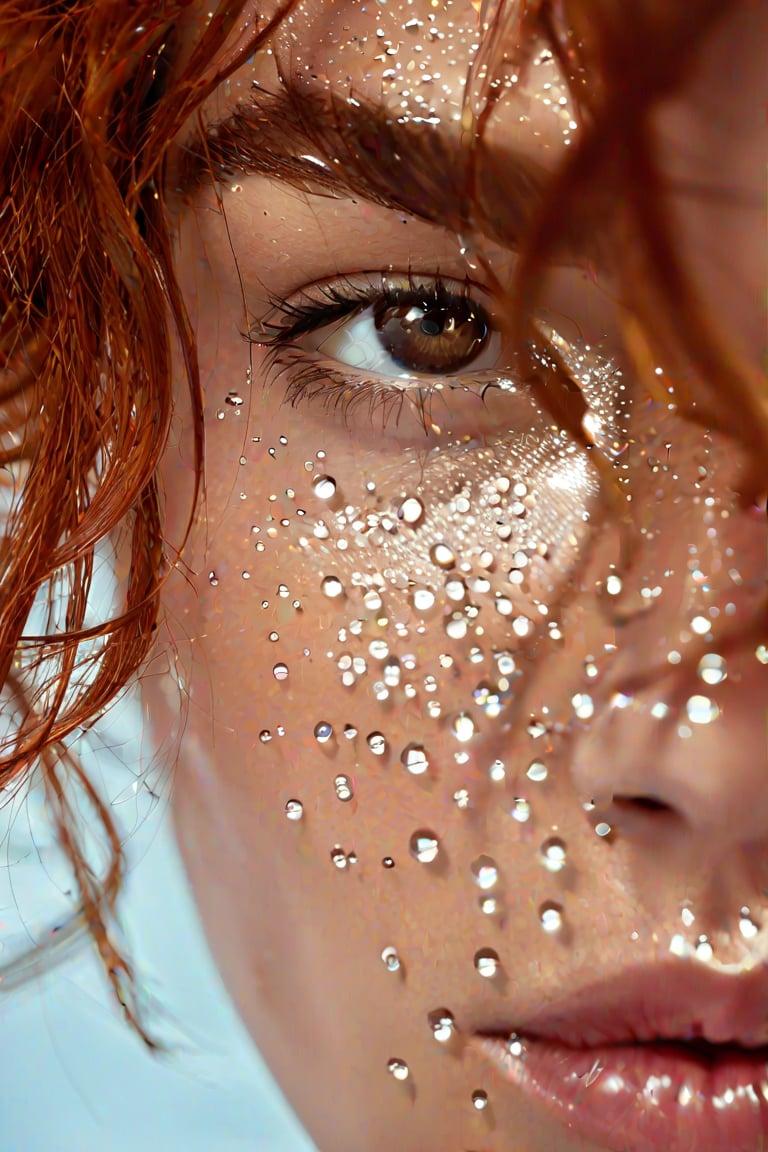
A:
x,y
643,1097
659,1060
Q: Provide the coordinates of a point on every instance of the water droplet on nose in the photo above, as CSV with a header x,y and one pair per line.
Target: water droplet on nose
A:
x,y
487,962
391,959
343,788
701,710
323,732
553,854
537,770
280,671
398,1069
414,759
479,1099
551,916
712,668
332,587
424,846
442,556
443,1025
411,510
324,487
376,743
463,727
485,871
294,809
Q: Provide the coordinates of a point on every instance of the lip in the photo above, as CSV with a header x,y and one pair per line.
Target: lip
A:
x,y
671,1057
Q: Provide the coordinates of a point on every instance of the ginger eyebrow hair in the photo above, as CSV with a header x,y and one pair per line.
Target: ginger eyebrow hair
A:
x,y
353,148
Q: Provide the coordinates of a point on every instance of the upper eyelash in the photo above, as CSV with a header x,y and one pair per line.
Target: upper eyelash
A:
x,y
299,317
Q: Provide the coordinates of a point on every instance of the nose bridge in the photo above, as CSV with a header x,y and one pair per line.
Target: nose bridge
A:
x,y
690,733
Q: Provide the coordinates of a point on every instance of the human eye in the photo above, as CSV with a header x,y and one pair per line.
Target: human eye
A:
x,y
415,353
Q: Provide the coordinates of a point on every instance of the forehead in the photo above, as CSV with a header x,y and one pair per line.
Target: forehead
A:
x,y
425,62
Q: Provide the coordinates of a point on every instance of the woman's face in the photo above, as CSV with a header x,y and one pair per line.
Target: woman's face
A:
x,y
415,797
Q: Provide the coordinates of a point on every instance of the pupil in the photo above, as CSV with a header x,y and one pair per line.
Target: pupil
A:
x,y
431,336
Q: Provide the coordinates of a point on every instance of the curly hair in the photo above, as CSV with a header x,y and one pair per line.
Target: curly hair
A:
x,y
91,310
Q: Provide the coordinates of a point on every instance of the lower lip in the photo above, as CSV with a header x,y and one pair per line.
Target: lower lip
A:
x,y
643,1098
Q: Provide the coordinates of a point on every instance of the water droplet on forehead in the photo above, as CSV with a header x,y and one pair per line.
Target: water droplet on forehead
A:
x,y
280,671
712,668
424,846
485,871
332,587
323,731
553,854
398,1069
391,959
551,916
415,759
324,487
442,1023
294,809
487,962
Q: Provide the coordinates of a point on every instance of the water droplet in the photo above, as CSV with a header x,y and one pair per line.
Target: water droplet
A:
x,y
233,399
712,668
487,962
294,809
332,587
603,829
343,788
350,731
485,871
424,846
324,487
423,599
339,856
411,510
700,625
701,710
213,579
442,556
583,705
479,1099
553,854
497,771
388,862
463,727
551,916
280,671
372,601
442,1023
265,735
488,905
704,950
414,758
613,585
520,810
391,959
461,798
761,652
323,731
505,663
376,743
537,770
747,926
398,1069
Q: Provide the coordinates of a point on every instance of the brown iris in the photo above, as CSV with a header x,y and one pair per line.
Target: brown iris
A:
x,y
431,335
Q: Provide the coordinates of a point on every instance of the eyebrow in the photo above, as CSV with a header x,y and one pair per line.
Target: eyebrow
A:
x,y
353,148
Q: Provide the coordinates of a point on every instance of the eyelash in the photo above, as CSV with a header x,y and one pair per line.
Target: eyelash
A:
x,y
336,390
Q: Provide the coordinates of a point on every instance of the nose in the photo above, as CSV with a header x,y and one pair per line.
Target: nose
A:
x,y
682,726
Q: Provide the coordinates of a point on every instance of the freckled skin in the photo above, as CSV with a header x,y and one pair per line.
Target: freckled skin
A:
x,y
299,940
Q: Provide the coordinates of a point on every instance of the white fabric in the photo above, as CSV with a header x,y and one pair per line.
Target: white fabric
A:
x,y
73,1077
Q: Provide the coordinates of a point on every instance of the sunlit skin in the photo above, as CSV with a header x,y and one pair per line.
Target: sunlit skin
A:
x,y
298,939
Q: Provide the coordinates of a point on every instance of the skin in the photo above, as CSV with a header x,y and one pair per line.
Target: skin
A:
x,y
298,940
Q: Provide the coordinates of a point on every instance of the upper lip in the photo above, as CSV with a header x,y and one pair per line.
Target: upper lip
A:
x,y
675,1002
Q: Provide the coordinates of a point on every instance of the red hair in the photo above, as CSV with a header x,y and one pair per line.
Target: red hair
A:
x,y
91,309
